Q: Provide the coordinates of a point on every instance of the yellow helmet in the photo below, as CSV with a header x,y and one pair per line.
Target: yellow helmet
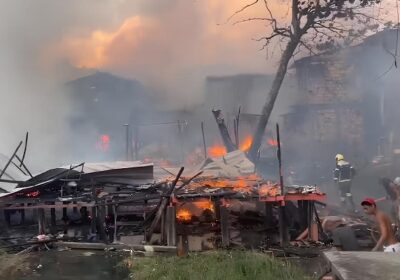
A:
x,y
339,157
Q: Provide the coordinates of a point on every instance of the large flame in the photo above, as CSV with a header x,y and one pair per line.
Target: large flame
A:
x,y
216,151
204,205
219,150
246,144
183,215
241,184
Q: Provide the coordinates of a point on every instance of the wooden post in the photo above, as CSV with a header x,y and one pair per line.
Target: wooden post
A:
x,y
114,208
136,139
53,216
128,150
224,220
303,211
22,211
183,248
41,221
310,214
7,217
163,228
93,220
204,140
269,215
217,207
170,221
100,221
94,209
65,214
283,230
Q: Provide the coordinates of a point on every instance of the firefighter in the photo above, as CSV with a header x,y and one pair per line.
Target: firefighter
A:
x,y
343,176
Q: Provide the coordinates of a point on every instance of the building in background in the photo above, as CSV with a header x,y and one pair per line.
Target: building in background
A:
x,y
102,103
347,102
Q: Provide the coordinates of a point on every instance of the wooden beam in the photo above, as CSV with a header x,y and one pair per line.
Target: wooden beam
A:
x,y
102,246
170,223
226,138
44,206
41,221
164,201
224,220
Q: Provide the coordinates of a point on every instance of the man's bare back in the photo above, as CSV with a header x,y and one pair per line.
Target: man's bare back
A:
x,y
385,228
387,238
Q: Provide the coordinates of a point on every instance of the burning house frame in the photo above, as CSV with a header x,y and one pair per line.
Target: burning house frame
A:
x,y
121,201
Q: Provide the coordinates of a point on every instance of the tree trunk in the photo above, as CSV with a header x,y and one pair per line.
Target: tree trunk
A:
x,y
273,94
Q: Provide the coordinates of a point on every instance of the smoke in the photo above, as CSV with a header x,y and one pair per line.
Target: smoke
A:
x,y
171,46
31,93
168,45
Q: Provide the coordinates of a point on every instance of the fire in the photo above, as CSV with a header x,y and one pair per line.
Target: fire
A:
x,y
245,146
272,142
241,184
204,205
103,143
216,151
269,190
184,215
220,150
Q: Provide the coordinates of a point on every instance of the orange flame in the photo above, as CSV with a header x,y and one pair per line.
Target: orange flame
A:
x,y
216,151
184,215
245,146
204,205
269,190
242,184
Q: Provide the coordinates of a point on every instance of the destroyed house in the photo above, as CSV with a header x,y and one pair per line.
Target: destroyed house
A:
x,y
344,100
102,103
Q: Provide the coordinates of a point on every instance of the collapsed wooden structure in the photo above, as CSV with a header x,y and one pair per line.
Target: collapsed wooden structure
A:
x,y
110,201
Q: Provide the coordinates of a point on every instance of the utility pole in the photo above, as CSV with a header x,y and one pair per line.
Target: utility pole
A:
x,y
127,151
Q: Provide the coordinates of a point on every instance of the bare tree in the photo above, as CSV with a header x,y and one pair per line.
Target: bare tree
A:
x,y
315,25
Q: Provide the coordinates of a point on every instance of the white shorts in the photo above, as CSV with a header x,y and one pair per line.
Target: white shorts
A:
x,y
395,248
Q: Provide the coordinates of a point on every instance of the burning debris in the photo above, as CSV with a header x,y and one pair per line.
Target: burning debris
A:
x,y
159,203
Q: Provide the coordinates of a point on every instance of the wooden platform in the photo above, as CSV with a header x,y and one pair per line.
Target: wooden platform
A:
x,y
294,197
364,265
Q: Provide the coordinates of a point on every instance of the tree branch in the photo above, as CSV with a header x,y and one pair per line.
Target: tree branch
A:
x,y
242,9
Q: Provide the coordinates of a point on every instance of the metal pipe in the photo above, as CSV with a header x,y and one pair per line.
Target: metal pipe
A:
x,y
204,140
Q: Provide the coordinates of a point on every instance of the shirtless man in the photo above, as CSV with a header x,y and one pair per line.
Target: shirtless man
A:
x,y
387,239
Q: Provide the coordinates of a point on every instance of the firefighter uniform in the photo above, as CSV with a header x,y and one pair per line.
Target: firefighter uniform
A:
x,y
343,176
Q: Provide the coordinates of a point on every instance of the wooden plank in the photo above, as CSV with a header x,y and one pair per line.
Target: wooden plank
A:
x,y
128,223
120,246
164,201
44,206
294,197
